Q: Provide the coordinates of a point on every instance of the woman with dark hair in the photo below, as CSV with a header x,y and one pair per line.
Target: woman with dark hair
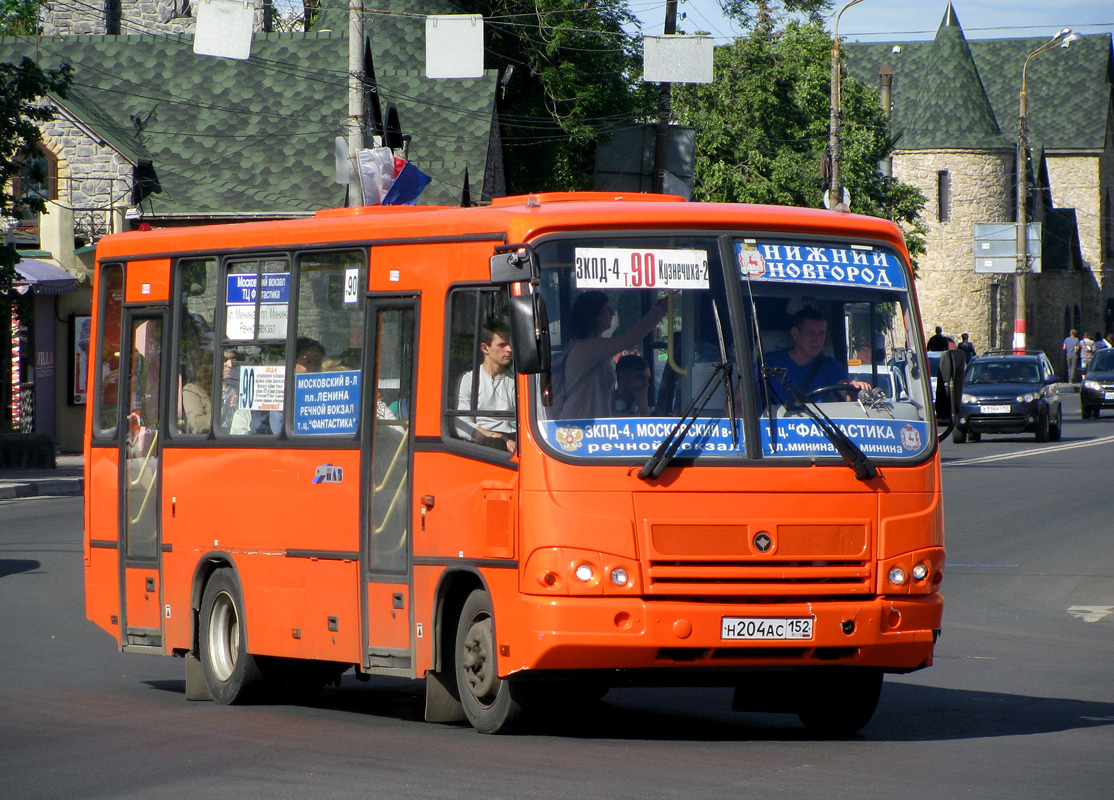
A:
x,y
589,375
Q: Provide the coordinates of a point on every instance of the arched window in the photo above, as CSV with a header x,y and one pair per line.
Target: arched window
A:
x,y
38,177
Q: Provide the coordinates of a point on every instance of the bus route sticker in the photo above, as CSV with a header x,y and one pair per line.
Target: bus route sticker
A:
x,y
326,402
624,268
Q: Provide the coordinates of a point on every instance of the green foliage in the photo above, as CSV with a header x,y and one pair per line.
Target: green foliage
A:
x,y
762,129
575,73
764,13
19,17
22,87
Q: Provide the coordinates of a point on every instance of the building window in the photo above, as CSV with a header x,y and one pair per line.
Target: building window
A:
x,y
943,196
37,178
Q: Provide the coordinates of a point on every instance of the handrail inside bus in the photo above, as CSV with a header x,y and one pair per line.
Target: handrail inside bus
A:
x,y
139,476
394,460
671,316
390,511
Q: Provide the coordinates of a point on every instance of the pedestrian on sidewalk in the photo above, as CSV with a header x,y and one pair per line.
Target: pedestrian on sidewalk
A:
x,y
1071,354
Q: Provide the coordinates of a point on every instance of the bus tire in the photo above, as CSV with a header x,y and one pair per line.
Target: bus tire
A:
x,y
492,705
231,673
841,703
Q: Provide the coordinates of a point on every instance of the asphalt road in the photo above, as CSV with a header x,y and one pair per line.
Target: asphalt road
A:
x,y
1020,702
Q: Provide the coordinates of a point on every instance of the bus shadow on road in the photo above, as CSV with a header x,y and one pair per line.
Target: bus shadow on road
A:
x,y
906,713
14,566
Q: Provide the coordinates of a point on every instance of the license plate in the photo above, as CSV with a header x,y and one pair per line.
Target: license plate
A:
x,y
1108,395
995,409
769,628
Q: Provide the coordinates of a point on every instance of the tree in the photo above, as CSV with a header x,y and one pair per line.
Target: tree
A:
x,y
22,89
19,17
762,129
572,73
763,13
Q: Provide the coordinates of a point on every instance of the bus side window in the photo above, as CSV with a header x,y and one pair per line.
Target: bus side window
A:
x,y
253,374
196,314
328,353
481,402
107,377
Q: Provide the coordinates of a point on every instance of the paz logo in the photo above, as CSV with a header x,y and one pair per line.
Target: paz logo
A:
x,y
910,438
327,473
570,439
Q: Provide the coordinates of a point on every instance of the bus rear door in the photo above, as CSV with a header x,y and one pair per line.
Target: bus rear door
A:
x,y
140,481
386,483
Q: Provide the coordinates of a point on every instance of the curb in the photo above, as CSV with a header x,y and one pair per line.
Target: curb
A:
x,y
49,487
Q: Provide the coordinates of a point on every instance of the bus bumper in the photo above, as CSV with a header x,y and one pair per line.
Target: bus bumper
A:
x,y
895,634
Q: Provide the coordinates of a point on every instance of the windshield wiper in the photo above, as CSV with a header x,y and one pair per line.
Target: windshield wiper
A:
x,y
668,447
856,459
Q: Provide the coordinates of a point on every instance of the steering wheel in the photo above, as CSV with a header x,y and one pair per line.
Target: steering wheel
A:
x,y
835,387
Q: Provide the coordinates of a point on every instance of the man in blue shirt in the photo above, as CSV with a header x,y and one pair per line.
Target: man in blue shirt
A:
x,y
805,365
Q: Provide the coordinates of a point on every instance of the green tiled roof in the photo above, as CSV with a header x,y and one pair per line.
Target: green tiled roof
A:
x,y
257,136
1069,90
952,106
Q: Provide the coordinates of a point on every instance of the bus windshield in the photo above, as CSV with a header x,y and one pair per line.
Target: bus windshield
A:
x,y
639,325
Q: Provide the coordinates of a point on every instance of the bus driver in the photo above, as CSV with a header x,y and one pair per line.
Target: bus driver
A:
x,y
494,393
805,366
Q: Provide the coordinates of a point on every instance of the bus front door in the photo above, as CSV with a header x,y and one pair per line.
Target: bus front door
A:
x,y
386,484
140,483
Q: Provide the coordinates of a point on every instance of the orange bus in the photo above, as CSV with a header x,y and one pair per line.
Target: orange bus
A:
x,y
527,452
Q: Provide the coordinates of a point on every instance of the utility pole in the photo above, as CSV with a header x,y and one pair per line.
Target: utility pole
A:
x,y
665,104
1020,302
355,98
835,189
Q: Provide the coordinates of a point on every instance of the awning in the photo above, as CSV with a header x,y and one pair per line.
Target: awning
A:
x,y
42,278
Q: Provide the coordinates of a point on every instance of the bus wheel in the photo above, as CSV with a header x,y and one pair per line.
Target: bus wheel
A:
x,y
841,703
491,705
231,673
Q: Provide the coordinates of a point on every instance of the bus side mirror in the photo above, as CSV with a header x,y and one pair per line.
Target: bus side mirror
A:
x,y
513,263
950,383
529,333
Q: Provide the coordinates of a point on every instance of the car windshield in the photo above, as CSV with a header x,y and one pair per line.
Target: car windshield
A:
x,y
1103,360
640,325
983,372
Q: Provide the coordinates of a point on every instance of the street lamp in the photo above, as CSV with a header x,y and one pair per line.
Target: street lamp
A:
x,y
1020,316
835,191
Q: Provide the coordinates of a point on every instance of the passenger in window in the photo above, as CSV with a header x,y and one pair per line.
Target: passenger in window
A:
x,y
230,390
632,387
495,391
587,375
197,403
804,365
309,355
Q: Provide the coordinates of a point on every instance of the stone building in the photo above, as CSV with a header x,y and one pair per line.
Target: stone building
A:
x,y
152,133
954,120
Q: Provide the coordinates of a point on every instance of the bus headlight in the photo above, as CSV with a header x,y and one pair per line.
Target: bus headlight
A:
x,y
584,573
896,576
920,572
619,576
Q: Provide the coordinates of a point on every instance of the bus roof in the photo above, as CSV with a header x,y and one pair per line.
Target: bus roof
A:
x,y
519,218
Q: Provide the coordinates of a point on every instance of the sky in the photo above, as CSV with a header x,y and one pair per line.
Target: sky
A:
x,y
885,20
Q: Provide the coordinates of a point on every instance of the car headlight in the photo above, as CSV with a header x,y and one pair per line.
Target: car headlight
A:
x,y
970,399
1094,386
1028,397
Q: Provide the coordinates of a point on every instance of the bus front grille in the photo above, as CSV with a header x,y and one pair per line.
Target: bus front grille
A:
x,y
723,579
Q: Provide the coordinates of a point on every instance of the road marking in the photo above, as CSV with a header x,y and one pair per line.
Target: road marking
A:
x,y
978,566
1091,613
1025,453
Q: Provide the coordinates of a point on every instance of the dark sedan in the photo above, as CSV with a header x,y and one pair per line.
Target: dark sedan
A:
x,y
1009,393
1097,390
